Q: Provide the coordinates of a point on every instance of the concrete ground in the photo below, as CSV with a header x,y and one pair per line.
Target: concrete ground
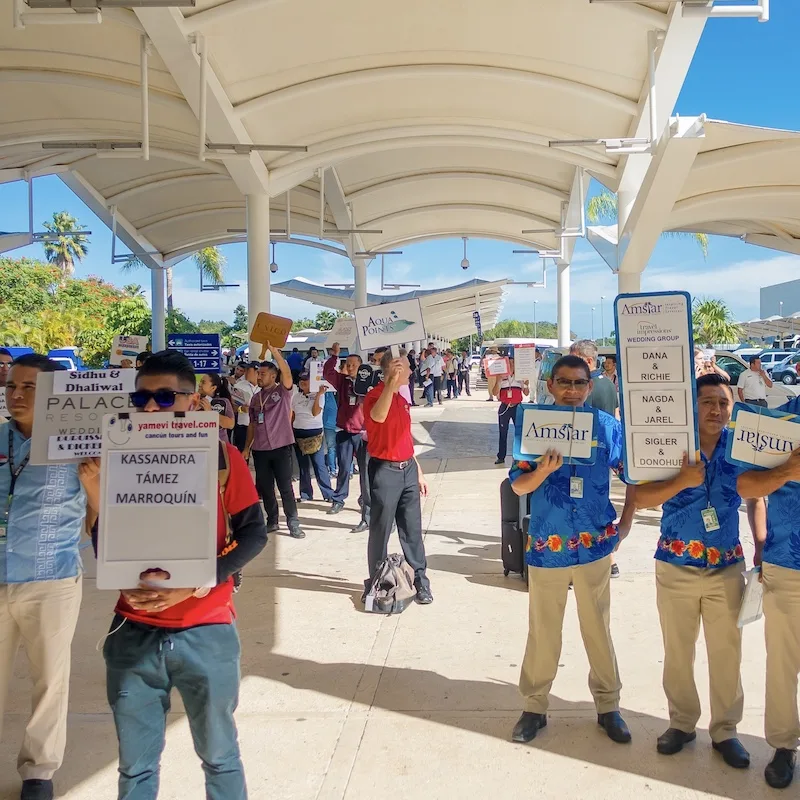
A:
x,y
337,703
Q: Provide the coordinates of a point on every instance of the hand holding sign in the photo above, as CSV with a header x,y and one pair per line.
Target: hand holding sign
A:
x,y
393,377
691,475
152,598
270,330
552,461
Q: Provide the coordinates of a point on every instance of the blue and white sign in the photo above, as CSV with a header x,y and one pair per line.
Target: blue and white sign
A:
x,y
657,394
570,431
477,317
761,438
202,349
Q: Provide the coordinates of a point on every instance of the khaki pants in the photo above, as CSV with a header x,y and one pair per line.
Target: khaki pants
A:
x,y
42,615
685,595
547,599
782,633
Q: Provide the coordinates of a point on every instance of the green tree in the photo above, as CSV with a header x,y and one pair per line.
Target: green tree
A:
x,y
302,324
713,322
69,247
603,209
178,322
325,320
239,318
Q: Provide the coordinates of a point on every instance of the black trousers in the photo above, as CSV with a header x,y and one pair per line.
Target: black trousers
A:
x,y
463,383
395,498
275,466
762,403
437,387
239,438
505,415
347,445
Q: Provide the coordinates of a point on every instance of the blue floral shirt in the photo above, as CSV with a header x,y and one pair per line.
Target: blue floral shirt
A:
x,y
566,531
782,547
684,540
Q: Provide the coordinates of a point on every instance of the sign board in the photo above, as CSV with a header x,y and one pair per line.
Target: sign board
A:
x,y
125,349
571,431
343,332
3,408
389,323
655,353
314,375
477,317
67,425
526,367
761,438
496,366
270,329
158,499
202,349
365,380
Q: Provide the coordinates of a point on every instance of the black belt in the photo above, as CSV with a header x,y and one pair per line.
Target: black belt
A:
x,y
398,464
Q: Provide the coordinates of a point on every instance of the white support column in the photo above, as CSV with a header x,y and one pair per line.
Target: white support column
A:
x,y
257,261
563,304
360,293
158,330
629,282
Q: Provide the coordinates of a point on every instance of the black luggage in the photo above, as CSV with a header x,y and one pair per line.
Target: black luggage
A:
x,y
514,529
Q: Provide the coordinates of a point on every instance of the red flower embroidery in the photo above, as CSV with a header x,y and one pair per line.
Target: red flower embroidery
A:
x,y
713,556
678,547
555,543
572,543
586,539
541,544
738,552
696,548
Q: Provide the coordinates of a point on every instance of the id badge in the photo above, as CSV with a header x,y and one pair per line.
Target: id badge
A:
x,y
353,399
576,488
261,419
710,519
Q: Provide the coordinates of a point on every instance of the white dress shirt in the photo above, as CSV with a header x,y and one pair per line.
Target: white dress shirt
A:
x,y
752,385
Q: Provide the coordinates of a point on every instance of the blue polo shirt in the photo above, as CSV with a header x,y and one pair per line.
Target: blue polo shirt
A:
x,y
782,547
684,540
566,531
46,518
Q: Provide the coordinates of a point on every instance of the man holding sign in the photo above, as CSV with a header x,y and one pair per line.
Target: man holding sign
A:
x,y
781,580
699,564
570,540
184,638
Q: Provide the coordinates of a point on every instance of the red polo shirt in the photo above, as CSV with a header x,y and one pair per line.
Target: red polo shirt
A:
x,y
391,439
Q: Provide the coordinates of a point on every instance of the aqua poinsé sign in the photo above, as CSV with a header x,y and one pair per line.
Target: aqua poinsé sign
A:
x,y
389,323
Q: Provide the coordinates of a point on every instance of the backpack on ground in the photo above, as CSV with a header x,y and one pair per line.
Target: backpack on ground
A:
x,y
223,473
392,589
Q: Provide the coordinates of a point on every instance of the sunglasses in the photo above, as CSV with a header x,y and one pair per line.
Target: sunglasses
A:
x,y
165,398
581,383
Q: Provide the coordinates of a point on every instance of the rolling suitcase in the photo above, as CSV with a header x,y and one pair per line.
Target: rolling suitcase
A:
x,y
514,529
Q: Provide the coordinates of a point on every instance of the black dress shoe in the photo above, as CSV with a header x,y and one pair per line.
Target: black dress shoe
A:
x,y
36,789
673,740
424,596
614,726
528,725
335,508
272,527
362,526
780,771
296,532
732,750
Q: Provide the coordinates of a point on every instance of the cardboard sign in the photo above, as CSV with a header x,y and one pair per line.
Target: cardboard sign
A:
x,y
761,438
97,381
124,350
365,380
68,427
389,323
158,499
655,353
270,329
496,367
343,331
314,375
571,431
526,367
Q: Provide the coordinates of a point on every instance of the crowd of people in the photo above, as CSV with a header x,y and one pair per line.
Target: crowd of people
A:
x,y
268,414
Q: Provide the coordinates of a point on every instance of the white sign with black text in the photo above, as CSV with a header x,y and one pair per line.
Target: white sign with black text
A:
x,y
655,352
343,332
158,499
389,323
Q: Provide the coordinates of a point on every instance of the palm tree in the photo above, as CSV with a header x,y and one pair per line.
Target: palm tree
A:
x,y
69,247
210,263
133,290
714,323
603,208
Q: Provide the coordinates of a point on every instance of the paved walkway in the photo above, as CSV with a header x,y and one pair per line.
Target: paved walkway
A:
x,y
336,703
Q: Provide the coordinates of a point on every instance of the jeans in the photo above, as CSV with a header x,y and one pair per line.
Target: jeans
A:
x,y
315,461
463,383
143,665
411,389
452,388
427,393
505,415
346,445
275,466
330,449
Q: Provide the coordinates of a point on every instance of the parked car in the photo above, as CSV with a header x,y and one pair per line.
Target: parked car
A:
x,y
771,358
735,366
786,371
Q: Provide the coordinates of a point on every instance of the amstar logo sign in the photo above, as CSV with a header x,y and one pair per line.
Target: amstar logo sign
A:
x,y
638,309
767,443
555,433
391,323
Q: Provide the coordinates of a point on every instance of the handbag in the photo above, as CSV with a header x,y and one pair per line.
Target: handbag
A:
x,y
310,444
392,589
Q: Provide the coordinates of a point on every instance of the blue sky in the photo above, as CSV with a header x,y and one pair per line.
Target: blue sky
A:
x,y
743,72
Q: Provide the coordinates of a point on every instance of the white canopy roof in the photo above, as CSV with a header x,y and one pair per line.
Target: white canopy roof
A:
x,y
771,326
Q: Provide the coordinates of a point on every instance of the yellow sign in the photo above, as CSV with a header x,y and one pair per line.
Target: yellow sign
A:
x,y
270,329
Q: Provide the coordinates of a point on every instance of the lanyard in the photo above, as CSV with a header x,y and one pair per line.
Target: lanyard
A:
x,y
15,471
